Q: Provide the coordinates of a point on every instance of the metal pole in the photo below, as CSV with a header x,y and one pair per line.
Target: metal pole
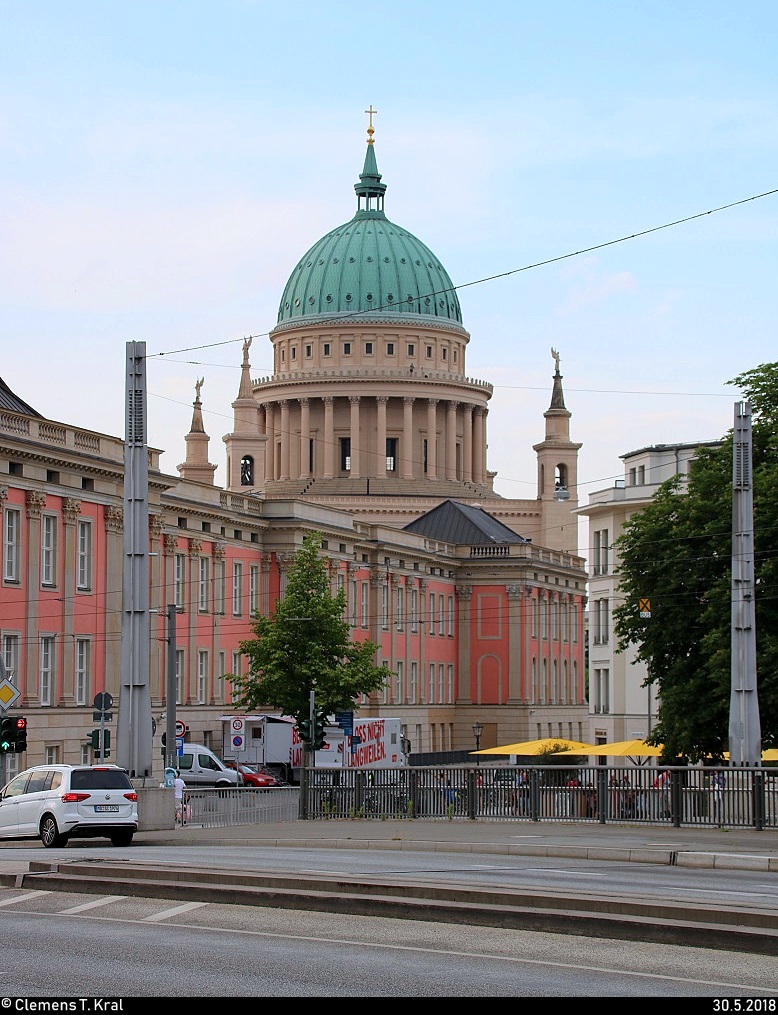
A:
x,y
171,753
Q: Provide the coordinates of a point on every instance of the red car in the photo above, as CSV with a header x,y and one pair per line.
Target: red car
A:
x,y
251,775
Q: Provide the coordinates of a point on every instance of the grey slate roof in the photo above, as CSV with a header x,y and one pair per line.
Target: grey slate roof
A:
x,y
461,524
12,402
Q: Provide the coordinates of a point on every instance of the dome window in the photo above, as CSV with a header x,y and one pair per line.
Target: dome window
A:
x,y
348,297
297,303
351,260
386,260
310,264
329,297
311,299
389,298
368,258
427,300
403,261
335,260
369,296
321,261
418,262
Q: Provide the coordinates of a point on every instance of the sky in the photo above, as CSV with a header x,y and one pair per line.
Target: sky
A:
x,y
599,177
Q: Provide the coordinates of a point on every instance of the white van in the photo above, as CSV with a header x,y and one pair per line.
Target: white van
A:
x,y
199,766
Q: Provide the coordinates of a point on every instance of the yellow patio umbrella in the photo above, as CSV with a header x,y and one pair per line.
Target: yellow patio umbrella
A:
x,y
623,749
771,754
529,748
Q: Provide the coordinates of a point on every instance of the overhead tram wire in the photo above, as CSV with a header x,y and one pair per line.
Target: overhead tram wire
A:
x,y
502,274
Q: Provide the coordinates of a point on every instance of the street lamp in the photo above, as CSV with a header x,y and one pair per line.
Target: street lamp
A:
x,y
477,731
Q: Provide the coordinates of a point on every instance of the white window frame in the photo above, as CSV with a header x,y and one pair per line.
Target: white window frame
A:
x,y
400,685
441,615
431,685
237,588
385,606
82,670
414,682
364,605
180,676
46,662
400,607
49,550
203,665
415,611
431,615
203,583
11,643
451,617
84,555
179,580
12,544
253,588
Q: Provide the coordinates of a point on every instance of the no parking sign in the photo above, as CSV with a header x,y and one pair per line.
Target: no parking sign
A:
x,y
238,734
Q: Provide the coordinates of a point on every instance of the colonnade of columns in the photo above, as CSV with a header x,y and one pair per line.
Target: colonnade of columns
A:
x,y
291,424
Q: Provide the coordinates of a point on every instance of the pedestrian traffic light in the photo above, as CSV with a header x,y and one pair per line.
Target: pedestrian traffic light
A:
x,y
93,739
318,737
20,734
7,734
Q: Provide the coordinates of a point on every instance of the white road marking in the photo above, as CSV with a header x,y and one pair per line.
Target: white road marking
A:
x,y
104,900
23,898
167,913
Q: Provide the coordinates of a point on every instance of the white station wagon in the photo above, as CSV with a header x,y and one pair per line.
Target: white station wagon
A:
x,y
55,803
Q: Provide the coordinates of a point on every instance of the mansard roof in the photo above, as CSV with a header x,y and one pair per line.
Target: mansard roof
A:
x,y
12,402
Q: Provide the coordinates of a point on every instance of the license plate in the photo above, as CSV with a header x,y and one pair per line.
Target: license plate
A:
x,y
107,808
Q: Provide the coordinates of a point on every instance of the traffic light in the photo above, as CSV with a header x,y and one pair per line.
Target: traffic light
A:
x,y
20,735
318,730
7,734
93,738
304,729
106,752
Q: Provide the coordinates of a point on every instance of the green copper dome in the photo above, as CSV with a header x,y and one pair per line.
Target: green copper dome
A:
x,y
369,266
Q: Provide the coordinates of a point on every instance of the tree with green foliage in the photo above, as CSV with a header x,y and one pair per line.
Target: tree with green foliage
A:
x,y
306,645
677,553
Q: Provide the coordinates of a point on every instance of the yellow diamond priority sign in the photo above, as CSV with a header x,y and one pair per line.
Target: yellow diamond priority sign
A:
x,y
8,693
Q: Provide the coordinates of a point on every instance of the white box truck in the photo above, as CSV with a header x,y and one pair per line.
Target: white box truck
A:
x,y
259,740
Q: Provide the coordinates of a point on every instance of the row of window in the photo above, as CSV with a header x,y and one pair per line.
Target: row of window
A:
x,y
83,682
368,349
13,546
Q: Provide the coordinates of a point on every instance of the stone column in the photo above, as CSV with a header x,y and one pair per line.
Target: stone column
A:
x,y
34,503
285,439
479,446
305,437
516,675
467,443
329,437
406,450
355,438
380,469
451,440
432,438
270,445
464,595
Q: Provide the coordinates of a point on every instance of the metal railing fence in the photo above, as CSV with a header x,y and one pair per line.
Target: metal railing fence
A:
x,y
720,797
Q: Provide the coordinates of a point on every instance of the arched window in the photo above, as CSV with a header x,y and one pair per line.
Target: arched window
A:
x,y
247,471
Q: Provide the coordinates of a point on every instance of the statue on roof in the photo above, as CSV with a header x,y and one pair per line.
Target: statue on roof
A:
x,y
555,354
198,385
246,347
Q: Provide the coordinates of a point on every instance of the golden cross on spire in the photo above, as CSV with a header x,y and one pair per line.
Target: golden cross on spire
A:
x,y
371,128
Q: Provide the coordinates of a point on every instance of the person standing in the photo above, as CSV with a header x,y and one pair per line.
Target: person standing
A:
x,y
178,789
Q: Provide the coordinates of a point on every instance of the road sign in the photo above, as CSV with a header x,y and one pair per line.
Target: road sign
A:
x,y
237,724
180,729
103,701
238,742
645,608
179,746
8,694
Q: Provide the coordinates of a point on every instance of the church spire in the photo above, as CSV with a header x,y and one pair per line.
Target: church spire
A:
x,y
370,189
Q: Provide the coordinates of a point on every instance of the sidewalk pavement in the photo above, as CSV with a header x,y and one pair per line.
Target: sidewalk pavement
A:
x,y
741,848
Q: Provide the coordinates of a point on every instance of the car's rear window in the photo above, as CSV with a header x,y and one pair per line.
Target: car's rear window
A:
x,y
99,778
